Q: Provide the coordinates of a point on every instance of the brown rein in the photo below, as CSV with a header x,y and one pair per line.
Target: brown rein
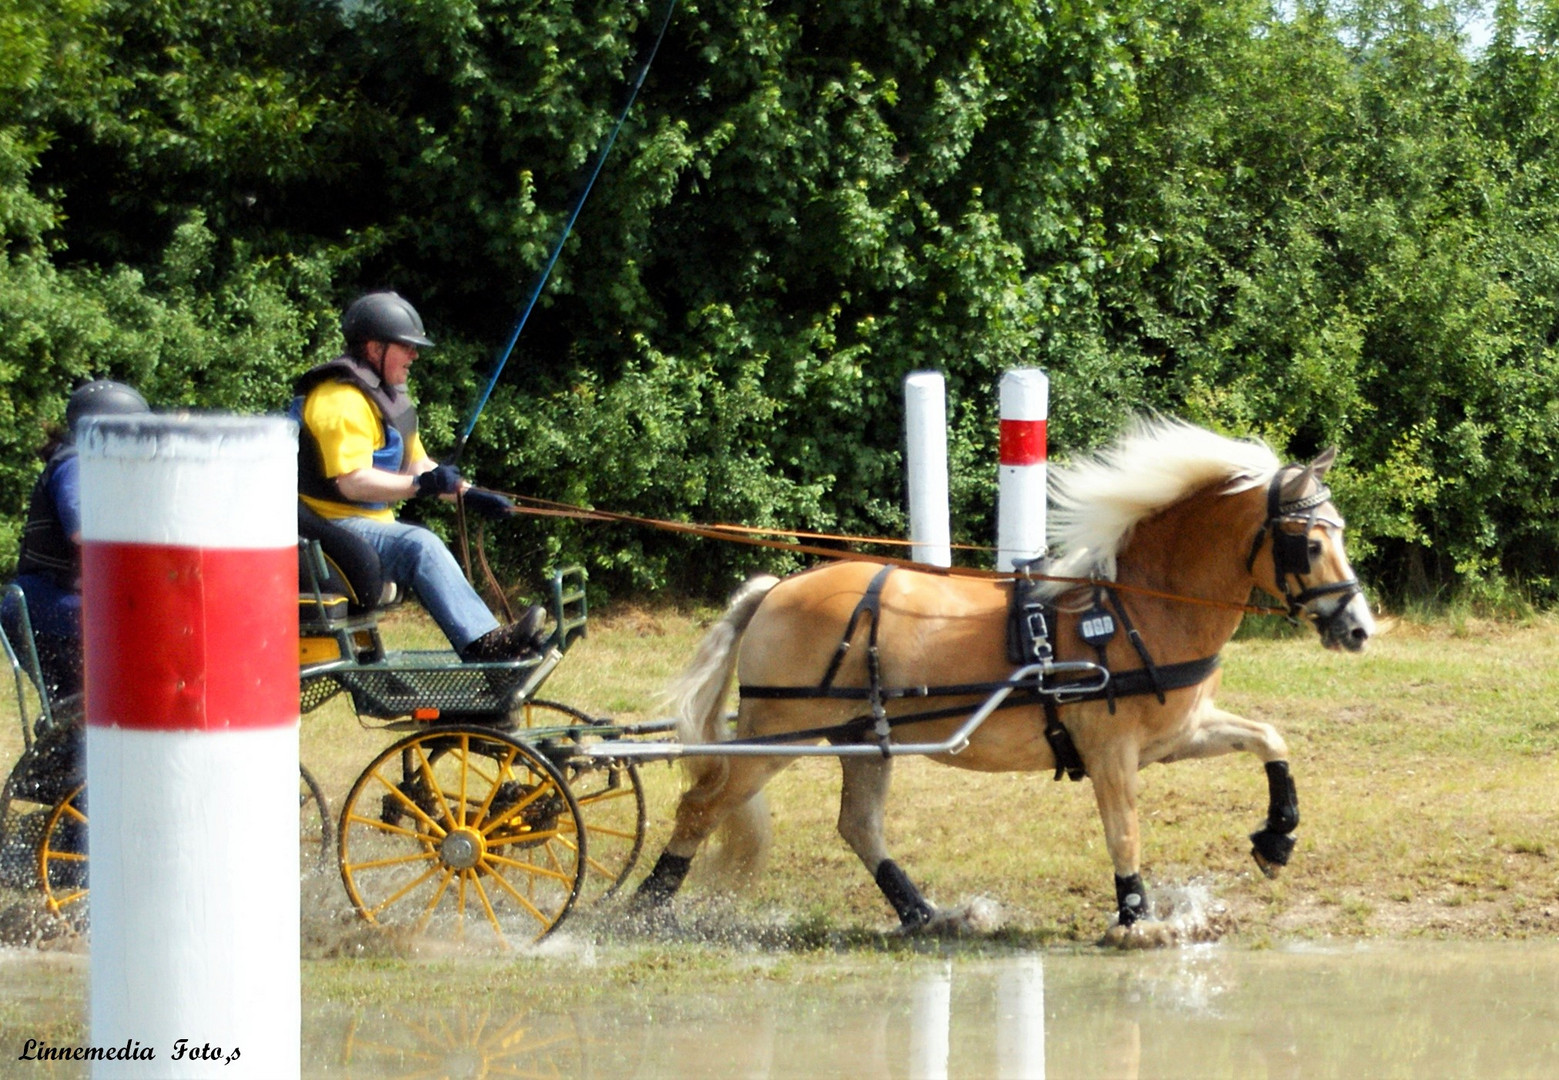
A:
x,y
755,537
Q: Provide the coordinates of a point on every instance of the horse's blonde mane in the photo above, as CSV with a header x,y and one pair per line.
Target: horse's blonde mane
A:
x,y
1096,500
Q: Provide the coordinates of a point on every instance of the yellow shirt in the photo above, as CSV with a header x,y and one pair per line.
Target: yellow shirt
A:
x,y
348,429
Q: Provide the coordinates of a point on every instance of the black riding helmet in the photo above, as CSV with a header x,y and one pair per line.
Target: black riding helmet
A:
x,y
102,397
383,316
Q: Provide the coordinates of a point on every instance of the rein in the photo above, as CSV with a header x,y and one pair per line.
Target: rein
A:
x,y
755,537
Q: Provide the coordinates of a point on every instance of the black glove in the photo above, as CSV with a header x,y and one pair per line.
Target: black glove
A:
x,y
487,503
439,480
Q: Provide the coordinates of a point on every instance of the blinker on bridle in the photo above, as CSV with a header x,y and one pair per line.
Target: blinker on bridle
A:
x,y
1291,551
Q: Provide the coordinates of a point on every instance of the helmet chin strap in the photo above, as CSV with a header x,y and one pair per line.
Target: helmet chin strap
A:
x,y
377,363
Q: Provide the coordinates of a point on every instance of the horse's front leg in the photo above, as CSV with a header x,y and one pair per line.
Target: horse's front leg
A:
x,y
862,800
1219,732
1114,779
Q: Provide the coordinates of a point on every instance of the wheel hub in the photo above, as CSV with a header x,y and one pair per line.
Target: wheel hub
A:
x,y
462,849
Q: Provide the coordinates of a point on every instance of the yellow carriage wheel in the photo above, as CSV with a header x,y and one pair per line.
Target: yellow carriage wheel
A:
x,y
610,797
462,825
62,855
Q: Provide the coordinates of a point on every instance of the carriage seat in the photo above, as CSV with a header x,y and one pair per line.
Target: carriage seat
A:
x,y
338,571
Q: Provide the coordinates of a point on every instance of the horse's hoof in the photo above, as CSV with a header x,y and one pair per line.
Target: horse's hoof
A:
x,y
1142,934
980,917
1271,851
923,920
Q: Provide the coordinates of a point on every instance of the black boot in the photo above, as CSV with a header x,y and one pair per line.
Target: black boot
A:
x,y
523,637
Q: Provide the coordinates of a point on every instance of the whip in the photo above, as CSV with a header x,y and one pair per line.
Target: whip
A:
x,y
557,249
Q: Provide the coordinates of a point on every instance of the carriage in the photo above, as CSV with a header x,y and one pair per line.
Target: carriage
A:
x,y
497,807
482,809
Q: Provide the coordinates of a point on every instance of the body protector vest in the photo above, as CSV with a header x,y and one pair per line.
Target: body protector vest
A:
x,y
396,411
45,547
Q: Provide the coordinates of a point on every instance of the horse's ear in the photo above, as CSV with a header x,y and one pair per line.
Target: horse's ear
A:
x,y
1323,461
1300,484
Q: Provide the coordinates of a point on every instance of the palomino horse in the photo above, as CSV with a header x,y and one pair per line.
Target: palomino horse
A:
x,y
1176,524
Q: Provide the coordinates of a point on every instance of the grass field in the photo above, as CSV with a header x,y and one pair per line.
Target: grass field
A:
x,y
1427,769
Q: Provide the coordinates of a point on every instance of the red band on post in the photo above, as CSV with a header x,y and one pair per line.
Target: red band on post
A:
x,y
190,639
1022,442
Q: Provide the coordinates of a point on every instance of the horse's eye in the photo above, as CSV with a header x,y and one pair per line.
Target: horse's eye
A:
x,y
1315,549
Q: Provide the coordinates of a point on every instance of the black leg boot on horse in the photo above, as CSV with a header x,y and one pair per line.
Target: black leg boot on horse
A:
x,y
662,884
1272,844
913,911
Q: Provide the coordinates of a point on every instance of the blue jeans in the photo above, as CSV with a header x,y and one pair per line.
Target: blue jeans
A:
x,y
415,558
55,616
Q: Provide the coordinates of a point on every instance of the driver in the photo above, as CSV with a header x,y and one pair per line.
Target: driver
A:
x,y
48,568
359,452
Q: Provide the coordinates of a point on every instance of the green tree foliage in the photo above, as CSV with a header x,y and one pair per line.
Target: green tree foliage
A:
x,y
1318,222
1341,233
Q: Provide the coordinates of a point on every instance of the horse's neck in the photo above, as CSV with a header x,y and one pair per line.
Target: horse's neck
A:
x,y
1197,548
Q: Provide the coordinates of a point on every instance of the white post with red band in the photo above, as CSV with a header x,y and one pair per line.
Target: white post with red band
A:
x,y
925,436
1020,508
190,629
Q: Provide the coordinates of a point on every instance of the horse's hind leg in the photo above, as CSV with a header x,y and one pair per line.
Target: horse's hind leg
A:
x,y
721,788
861,803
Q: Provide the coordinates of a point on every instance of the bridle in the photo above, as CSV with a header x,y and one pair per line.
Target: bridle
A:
x,y
1291,551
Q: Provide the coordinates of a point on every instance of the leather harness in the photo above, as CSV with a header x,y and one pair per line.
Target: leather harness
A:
x,y
1030,624
1029,642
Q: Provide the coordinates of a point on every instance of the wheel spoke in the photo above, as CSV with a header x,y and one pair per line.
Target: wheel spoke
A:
x,y
386,827
425,767
493,782
536,912
531,869
603,830
393,860
465,759
434,869
438,894
487,904
409,803
605,794
508,815
55,903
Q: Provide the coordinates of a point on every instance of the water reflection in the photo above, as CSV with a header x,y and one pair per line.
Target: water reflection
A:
x,y
1424,1012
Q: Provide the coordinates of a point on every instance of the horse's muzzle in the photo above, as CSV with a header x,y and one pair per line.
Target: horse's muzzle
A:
x,y
1348,625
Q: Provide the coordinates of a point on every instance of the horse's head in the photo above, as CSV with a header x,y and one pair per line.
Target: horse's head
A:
x,y
1310,570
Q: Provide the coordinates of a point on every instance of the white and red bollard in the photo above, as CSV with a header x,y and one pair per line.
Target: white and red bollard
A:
x,y
925,436
1020,508
190,629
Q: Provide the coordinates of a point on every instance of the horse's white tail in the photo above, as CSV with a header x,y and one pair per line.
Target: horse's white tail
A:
x,y
697,700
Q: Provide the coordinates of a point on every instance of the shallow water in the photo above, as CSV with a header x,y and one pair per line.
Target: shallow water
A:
x,y
1408,1010
1411,1010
